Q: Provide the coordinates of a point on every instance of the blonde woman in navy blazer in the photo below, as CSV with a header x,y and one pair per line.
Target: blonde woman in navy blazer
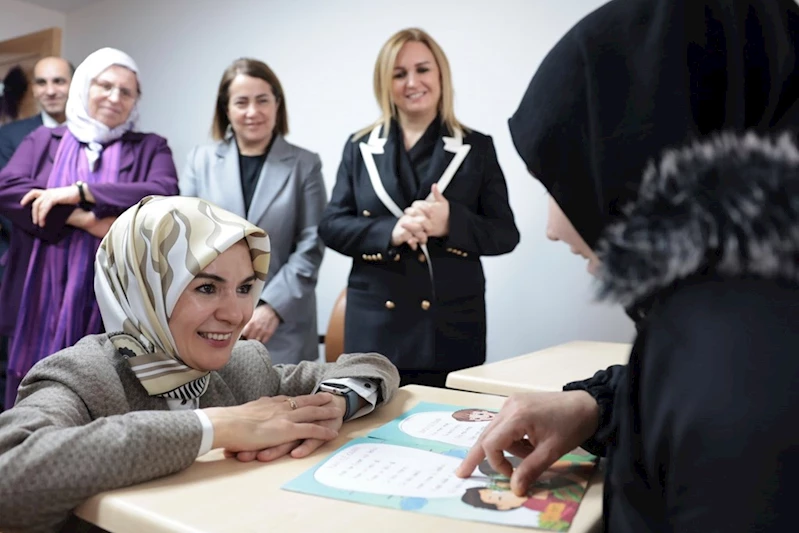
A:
x,y
418,200
252,171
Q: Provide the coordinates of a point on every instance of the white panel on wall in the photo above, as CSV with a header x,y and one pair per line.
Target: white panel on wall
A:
x,y
18,18
324,53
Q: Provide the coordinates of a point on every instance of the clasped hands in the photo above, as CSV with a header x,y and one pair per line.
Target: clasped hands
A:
x,y
423,219
271,427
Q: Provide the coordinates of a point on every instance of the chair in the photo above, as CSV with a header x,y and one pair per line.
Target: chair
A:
x,y
334,337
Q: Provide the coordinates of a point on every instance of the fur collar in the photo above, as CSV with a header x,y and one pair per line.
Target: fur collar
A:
x,y
728,206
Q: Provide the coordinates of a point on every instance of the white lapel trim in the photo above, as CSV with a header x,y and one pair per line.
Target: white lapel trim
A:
x,y
376,145
454,145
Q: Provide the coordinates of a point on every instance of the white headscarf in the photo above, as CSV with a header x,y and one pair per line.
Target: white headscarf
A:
x,y
86,129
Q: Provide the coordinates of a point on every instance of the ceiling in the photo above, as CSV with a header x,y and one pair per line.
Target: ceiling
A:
x,y
64,6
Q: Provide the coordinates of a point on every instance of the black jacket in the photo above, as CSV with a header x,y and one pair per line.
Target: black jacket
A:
x,y
700,429
393,307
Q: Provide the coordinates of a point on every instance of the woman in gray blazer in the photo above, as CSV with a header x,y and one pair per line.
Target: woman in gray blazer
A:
x,y
169,380
252,171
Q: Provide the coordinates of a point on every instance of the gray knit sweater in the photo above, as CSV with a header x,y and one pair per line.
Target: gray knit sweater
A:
x,y
83,423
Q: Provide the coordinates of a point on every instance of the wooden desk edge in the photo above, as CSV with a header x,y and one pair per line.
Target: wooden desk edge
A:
x,y
104,510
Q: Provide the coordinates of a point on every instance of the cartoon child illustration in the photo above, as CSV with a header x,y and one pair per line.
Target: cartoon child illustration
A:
x,y
556,494
474,415
460,428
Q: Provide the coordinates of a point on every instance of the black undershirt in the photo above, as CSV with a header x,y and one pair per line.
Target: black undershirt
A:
x,y
250,167
414,164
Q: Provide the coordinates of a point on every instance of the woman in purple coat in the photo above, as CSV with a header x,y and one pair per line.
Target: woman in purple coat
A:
x,y
61,190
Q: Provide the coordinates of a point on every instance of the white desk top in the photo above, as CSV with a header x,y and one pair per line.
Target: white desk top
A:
x,y
218,495
545,370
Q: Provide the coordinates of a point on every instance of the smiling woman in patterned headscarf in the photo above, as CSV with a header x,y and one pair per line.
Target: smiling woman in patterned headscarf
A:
x,y
144,265
176,280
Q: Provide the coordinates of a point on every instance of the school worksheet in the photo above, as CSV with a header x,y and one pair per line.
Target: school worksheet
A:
x,y
409,464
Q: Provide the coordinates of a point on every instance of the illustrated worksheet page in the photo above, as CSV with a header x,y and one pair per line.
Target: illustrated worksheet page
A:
x,y
409,464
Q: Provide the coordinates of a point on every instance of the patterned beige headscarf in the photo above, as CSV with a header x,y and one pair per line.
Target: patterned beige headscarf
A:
x,y
145,262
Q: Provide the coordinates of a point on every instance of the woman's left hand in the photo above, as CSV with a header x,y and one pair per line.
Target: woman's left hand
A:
x,y
262,325
435,210
298,448
44,200
89,223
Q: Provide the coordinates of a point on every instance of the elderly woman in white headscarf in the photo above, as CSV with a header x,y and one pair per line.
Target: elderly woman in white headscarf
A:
x,y
61,190
177,280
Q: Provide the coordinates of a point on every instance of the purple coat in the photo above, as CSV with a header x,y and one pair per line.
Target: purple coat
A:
x,y
145,158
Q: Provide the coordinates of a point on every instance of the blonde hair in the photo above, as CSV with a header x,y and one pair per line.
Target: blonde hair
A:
x,y
384,75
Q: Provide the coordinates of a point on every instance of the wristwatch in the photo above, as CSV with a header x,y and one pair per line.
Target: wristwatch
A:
x,y
83,204
352,397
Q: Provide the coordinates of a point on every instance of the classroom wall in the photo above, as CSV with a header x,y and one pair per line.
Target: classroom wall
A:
x,y
324,53
19,18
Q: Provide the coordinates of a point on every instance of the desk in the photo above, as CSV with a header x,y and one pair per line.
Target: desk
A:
x,y
218,495
545,370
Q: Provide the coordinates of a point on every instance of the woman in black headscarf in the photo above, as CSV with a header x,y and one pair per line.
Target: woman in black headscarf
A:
x,y
700,427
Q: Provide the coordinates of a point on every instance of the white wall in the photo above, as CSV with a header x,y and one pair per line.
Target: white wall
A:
x,y
324,53
19,18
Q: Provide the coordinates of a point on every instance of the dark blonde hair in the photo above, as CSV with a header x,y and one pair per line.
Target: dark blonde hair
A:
x,y
255,69
384,75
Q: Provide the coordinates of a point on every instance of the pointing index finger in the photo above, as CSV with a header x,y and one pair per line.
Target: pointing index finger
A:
x,y
472,459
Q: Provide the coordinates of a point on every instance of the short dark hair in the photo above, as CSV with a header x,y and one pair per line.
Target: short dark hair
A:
x,y
255,69
16,86
472,497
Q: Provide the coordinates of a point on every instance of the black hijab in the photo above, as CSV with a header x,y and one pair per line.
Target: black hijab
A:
x,y
638,76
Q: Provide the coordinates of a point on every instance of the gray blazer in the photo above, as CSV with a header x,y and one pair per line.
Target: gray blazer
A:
x,y
288,203
83,423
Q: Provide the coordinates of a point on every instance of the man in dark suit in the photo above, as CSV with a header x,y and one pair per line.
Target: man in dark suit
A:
x,y
51,79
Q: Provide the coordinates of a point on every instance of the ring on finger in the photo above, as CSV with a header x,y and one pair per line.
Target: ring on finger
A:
x,y
292,403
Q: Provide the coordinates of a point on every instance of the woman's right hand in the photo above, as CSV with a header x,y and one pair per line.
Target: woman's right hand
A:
x,y
539,427
271,421
262,324
410,230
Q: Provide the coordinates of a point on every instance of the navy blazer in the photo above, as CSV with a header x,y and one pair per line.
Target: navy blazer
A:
x,y
425,309
11,136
